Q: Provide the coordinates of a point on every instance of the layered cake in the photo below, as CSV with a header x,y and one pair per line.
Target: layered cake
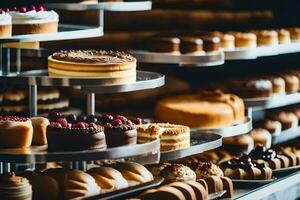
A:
x,y
15,132
245,168
202,110
5,24
65,135
34,19
172,137
117,67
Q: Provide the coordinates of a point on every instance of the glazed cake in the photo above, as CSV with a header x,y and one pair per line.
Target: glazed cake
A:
x,y
5,24
202,110
118,67
172,137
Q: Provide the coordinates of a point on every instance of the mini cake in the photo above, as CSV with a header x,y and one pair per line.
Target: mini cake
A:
x,y
278,84
39,130
33,20
13,187
251,87
284,36
118,67
291,83
191,45
266,37
274,127
206,169
287,119
172,137
211,44
202,110
78,184
178,172
244,40
261,137
295,34
269,157
245,168
15,132
108,179
65,136
5,24
239,144
227,40
164,44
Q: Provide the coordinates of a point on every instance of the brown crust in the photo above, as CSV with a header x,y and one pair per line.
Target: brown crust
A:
x,y
170,129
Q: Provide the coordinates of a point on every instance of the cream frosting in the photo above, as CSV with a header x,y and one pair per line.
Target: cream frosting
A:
x,y
5,19
34,17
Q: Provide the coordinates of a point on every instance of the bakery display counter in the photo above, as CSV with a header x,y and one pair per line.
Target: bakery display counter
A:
x,y
107,6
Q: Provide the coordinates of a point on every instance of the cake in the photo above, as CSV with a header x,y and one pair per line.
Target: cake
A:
x,y
78,184
278,84
266,37
171,136
274,127
178,172
261,137
33,20
13,187
39,130
108,179
284,36
191,45
202,110
246,169
113,66
239,144
15,132
206,169
295,34
163,44
244,40
5,24
227,40
211,44
64,135
291,83
215,156
288,120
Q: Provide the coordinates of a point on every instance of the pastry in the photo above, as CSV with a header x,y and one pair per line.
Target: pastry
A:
x,y
203,183
284,36
215,156
206,169
266,37
239,144
191,45
261,136
165,192
33,20
78,184
178,172
156,169
245,168
244,40
227,40
117,67
274,127
5,24
228,186
291,82
13,187
214,184
172,137
57,174
278,84
201,110
108,179
295,34
287,119
134,173
211,44
201,193
163,44
15,132
39,130
186,190
64,136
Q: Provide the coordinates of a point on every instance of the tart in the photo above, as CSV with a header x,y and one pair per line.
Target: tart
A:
x,y
172,136
15,132
116,67
5,24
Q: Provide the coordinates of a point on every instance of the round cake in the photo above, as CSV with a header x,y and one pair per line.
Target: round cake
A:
x,y
33,20
191,45
266,37
117,67
5,24
203,110
163,44
244,40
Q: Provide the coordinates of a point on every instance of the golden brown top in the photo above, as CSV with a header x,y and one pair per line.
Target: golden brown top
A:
x,y
10,179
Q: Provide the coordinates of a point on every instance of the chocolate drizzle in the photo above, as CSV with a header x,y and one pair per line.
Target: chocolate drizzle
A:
x,y
263,153
93,56
244,162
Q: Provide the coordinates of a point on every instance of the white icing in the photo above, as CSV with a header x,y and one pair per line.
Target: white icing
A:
x,y
5,19
34,17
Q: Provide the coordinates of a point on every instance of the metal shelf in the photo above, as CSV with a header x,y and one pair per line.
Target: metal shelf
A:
x,y
286,135
200,142
272,102
207,60
107,6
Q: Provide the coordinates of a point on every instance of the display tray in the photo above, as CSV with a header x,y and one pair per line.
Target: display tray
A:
x,y
145,80
39,154
274,101
251,183
65,32
286,170
108,6
200,142
241,54
126,192
286,135
181,60
234,130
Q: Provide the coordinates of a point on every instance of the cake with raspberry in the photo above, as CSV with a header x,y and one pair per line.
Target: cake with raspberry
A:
x,y
5,24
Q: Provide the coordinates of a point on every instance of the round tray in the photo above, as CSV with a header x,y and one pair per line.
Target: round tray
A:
x,y
65,32
272,102
39,154
109,6
234,130
145,80
182,60
200,142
